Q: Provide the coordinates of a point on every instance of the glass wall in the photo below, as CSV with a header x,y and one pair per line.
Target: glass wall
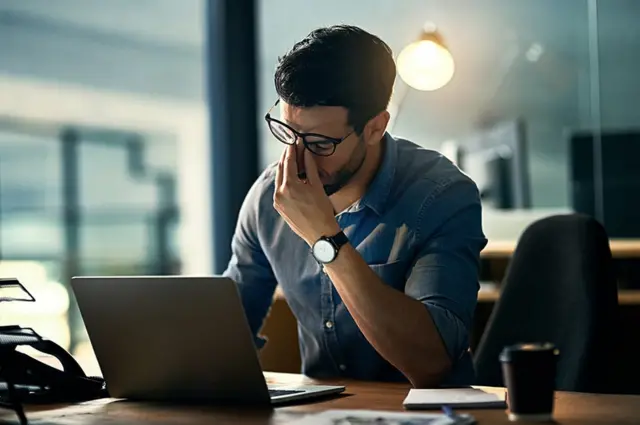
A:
x,y
618,142
31,236
533,75
102,134
82,201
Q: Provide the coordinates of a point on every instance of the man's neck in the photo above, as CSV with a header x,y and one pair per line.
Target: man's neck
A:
x,y
357,186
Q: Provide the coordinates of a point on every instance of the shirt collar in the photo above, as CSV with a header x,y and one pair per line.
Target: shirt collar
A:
x,y
378,191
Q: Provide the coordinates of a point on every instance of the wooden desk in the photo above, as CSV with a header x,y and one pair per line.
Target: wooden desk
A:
x,y
571,408
495,258
620,248
625,296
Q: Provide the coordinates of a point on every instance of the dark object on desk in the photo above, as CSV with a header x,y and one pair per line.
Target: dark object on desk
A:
x,y
559,287
24,379
529,372
12,290
37,382
620,180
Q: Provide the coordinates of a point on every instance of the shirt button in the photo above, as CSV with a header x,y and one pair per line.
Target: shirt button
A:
x,y
343,367
328,324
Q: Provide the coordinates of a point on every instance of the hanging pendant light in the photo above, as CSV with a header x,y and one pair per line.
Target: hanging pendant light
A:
x,y
426,64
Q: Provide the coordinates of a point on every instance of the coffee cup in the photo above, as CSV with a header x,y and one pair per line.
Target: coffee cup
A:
x,y
529,372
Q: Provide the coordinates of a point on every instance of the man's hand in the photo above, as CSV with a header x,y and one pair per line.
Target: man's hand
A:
x,y
303,204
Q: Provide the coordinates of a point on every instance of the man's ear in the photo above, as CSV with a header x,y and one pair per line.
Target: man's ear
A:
x,y
376,127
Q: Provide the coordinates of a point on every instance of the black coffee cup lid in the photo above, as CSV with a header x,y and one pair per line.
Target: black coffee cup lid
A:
x,y
511,352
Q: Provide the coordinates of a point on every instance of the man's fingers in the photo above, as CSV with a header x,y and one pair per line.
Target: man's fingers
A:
x,y
302,172
290,165
311,168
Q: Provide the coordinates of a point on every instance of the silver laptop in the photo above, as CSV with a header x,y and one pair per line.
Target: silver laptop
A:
x,y
177,338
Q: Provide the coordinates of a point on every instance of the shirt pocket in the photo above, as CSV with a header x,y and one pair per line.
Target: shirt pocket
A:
x,y
393,274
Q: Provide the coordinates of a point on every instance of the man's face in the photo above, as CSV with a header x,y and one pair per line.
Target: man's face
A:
x,y
337,169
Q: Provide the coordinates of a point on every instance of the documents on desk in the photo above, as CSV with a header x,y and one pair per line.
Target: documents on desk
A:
x,y
469,398
375,417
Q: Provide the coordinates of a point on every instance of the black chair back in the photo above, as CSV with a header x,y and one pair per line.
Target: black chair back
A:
x,y
559,287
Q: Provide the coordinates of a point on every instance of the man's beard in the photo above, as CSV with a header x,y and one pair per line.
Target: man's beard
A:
x,y
343,176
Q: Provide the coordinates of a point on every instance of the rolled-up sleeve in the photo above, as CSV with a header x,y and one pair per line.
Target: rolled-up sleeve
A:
x,y
444,276
249,266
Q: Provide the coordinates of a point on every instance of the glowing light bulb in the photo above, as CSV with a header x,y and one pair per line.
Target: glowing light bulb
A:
x,y
425,65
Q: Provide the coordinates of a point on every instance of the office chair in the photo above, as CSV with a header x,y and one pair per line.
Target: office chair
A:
x,y
559,287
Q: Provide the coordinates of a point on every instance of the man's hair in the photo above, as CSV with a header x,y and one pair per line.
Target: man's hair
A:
x,y
341,65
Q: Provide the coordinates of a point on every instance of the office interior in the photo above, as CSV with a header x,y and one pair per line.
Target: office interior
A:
x,y
120,155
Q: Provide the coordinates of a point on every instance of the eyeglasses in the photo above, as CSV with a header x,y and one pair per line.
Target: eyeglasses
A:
x,y
317,144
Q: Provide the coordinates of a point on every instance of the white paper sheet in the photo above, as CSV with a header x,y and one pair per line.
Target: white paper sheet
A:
x,y
453,397
375,417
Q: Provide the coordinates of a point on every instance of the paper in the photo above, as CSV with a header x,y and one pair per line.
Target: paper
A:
x,y
454,397
374,417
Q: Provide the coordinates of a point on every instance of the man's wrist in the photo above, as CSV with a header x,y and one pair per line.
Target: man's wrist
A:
x,y
330,229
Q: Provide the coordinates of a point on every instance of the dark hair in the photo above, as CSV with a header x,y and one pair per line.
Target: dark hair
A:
x,y
341,65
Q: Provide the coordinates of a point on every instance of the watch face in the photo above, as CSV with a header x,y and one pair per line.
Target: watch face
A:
x,y
324,251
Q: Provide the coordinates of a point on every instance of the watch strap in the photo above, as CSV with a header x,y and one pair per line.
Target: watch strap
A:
x,y
339,239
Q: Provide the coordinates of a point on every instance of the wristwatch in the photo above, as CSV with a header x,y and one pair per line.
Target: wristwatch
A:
x,y
325,250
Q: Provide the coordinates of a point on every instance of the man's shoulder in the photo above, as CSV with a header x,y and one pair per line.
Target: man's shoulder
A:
x,y
264,185
259,199
430,191
268,176
425,175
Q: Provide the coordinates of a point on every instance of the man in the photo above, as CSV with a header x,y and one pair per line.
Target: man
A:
x,y
374,241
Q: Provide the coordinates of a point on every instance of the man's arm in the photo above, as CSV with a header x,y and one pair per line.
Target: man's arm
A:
x,y
419,331
397,326
249,266
425,329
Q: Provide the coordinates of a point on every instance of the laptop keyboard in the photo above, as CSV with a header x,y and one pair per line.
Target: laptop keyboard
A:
x,y
276,393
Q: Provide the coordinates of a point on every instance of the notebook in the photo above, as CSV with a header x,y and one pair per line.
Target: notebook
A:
x,y
468,397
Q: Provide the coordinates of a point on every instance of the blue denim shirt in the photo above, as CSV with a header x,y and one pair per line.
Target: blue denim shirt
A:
x,y
419,228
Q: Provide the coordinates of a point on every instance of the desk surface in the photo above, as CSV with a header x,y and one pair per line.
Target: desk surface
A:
x,y
620,248
625,296
571,408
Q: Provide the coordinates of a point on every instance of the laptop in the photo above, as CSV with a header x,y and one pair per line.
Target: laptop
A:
x,y
178,339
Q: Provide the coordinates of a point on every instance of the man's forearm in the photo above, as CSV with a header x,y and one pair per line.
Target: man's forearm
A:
x,y
399,327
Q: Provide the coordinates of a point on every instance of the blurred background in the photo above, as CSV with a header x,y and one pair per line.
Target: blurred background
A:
x,y
106,153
